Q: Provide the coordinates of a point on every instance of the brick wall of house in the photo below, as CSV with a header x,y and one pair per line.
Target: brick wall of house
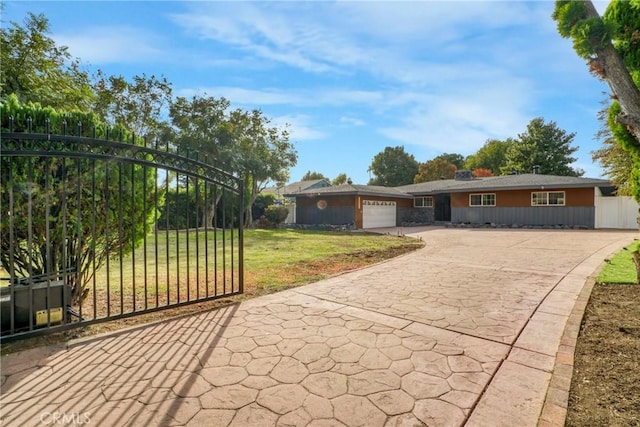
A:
x,y
574,197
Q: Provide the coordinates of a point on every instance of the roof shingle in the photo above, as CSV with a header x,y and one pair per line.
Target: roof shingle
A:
x,y
354,189
493,183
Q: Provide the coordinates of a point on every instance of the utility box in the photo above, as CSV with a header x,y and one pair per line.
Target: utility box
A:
x,y
47,305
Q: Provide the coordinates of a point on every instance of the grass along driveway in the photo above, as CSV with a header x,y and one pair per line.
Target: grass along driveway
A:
x,y
278,259
606,374
273,260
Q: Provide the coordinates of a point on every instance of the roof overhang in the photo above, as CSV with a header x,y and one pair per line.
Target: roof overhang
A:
x,y
311,194
517,187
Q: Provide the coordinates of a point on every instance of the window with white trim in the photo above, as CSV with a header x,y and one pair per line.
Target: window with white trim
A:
x,y
423,202
484,199
547,198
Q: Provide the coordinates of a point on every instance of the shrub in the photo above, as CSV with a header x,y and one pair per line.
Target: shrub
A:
x,y
68,213
276,214
261,203
273,215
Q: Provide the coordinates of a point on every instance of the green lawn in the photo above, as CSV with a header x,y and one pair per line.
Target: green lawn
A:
x,y
181,264
279,258
620,268
273,260
275,248
172,266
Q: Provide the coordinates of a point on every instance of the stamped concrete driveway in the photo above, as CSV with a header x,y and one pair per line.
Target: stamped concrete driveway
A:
x,y
471,330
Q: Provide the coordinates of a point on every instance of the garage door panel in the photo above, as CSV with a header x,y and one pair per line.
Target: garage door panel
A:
x,y
378,213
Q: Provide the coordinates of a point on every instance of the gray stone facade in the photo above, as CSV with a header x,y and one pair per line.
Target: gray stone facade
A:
x,y
415,216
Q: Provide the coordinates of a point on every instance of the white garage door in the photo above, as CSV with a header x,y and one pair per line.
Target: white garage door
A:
x,y
378,213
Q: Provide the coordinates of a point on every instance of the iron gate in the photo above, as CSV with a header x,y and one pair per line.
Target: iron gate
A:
x,y
95,229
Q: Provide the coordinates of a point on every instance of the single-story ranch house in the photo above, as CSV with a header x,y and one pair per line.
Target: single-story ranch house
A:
x,y
512,200
294,187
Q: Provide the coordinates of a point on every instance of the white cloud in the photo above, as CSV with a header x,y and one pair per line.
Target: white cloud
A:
x,y
281,33
343,37
423,44
460,121
429,22
291,97
112,44
299,127
352,121
243,96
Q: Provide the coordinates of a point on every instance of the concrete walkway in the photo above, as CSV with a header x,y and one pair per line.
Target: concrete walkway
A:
x,y
477,329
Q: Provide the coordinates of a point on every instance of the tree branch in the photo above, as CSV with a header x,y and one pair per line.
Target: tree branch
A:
x,y
627,119
619,80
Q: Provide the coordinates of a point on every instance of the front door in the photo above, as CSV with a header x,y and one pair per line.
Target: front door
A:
x,y
442,207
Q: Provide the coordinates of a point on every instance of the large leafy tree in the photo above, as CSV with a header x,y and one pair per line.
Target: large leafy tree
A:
x,y
393,167
453,158
35,69
492,155
594,39
617,162
137,105
434,170
262,153
342,178
310,176
611,47
544,145
198,127
242,142
482,173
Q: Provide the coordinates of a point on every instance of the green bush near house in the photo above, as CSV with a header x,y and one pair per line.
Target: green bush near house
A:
x,y
273,215
276,214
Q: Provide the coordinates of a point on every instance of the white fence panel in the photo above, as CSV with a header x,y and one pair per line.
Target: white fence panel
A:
x,y
617,212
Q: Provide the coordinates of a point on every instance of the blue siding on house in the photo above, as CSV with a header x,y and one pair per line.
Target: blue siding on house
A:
x,y
539,215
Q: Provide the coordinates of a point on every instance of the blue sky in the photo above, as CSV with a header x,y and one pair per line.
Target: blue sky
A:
x,y
350,77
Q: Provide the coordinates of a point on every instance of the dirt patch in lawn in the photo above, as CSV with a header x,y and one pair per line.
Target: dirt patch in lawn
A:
x,y
289,276
605,389
294,275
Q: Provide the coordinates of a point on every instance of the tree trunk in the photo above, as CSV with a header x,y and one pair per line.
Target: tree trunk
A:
x,y
248,213
209,212
210,216
610,67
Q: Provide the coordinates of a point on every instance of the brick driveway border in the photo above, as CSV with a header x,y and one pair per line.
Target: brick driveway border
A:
x,y
477,328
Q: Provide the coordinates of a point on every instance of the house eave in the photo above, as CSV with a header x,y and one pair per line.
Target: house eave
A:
x,y
350,193
517,187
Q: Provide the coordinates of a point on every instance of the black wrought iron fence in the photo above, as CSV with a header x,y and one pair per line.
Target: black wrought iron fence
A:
x,y
95,229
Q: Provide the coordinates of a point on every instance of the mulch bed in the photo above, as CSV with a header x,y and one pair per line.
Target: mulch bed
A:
x,y
605,390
